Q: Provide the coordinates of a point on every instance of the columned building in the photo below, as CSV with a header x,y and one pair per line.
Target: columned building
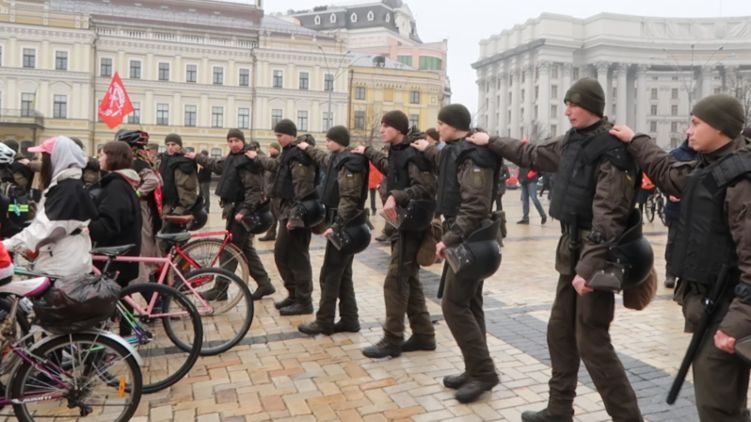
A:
x,y
652,71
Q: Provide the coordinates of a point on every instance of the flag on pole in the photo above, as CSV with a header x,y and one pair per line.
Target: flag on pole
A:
x,y
116,104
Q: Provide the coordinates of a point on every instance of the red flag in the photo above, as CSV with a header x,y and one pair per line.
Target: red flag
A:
x,y
116,104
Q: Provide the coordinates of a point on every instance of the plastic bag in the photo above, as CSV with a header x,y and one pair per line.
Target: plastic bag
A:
x,y
76,303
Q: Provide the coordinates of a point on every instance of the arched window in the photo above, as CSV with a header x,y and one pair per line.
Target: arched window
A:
x,y
332,18
317,20
388,17
371,16
353,17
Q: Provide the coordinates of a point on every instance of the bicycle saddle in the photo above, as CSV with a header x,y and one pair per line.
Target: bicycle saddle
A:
x,y
178,219
112,250
173,237
27,288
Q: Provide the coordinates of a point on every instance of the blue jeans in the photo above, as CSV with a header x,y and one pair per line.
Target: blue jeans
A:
x,y
529,190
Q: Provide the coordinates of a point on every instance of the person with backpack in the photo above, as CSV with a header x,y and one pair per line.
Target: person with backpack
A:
x,y
180,184
17,206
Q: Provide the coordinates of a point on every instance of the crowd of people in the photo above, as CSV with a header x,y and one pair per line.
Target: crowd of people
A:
x,y
437,190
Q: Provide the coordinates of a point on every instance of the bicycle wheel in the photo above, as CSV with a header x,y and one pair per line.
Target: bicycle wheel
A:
x,y
226,318
208,253
649,208
75,376
661,210
168,339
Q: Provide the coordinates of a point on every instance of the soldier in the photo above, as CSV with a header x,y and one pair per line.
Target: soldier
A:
x,y
204,183
593,199
180,178
241,191
344,194
295,187
715,192
466,182
274,151
408,177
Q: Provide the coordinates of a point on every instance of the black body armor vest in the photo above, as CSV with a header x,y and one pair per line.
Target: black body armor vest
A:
x,y
452,155
229,187
283,187
167,168
576,179
400,156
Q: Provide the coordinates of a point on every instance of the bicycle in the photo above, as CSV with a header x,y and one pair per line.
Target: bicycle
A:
x,y
92,373
655,205
168,350
225,322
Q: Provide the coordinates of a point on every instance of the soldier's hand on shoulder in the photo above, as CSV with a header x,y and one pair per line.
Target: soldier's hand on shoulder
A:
x,y
251,154
724,342
420,144
479,138
190,155
580,285
623,133
303,145
440,250
358,149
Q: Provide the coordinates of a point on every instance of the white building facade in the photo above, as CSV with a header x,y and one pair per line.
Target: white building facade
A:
x,y
652,71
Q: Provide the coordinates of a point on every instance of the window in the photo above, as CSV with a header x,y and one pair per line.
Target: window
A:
x,y
276,116
317,20
653,110
674,110
405,60
304,81
553,130
371,16
243,118
615,92
653,93
163,71
105,66
554,72
191,111
554,92
360,120
430,63
29,58
537,92
27,104
359,92
674,127
554,110
216,153
60,107
575,74
61,60
536,112
1,55
244,77
353,17
302,120
522,95
332,18
414,97
414,120
135,69
217,116
328,120
278,79
191,73
218,75
328,82
162,114
653,127
674,93
134,118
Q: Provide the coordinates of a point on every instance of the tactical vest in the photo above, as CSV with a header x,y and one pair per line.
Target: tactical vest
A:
x,y
400,156
452,155
283,187
330,195
167,168
576,180
703,242
229,187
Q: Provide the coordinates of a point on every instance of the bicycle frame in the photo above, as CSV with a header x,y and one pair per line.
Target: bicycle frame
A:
x,y
177,249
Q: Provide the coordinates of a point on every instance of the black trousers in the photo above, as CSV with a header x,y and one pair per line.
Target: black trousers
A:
x,y
244,240
293,261
336,283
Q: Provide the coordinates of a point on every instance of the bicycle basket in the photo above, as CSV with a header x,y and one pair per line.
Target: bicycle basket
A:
x,y
76,303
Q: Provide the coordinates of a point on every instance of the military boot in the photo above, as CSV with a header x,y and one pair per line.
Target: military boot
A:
x,y
264,289
383,348
217,292
316,327
473,389
545,416
289,300
419,342
455,381
347,326
297,308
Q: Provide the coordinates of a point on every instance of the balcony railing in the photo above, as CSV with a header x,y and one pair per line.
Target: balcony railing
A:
x,y
21,116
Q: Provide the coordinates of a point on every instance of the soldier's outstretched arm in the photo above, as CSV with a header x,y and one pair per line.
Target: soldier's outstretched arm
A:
x,y
541,157
321,158
378,158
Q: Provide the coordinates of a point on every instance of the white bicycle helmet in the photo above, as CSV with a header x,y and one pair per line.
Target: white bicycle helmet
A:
x,y
6,154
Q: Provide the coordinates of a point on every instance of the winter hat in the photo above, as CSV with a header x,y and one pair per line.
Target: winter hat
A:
x,y
174,139
6,264
396,119
339,134
236,133
12,144
286,126
276,146
722,112
456,116
587,94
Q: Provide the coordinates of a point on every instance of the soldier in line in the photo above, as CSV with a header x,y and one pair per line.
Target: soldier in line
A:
x,y
408,177
466,182
715,192
241,191
295,187
344,194
594,196
274,151
180,178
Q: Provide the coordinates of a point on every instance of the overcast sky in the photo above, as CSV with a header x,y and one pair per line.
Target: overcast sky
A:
x,y
466,22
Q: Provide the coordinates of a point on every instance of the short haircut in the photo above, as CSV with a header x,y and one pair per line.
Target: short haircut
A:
x,y
119,155
153,146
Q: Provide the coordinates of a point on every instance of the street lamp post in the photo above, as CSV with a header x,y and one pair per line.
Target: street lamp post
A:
x,y
334,77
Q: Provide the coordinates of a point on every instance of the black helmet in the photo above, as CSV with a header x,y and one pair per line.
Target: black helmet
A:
x,y
633,252
311,212
353,236
199,220
417,215
259,221
480,255
136,139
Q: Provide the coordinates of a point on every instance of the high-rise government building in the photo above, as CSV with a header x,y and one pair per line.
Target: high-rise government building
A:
x,y
652,71
194,67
